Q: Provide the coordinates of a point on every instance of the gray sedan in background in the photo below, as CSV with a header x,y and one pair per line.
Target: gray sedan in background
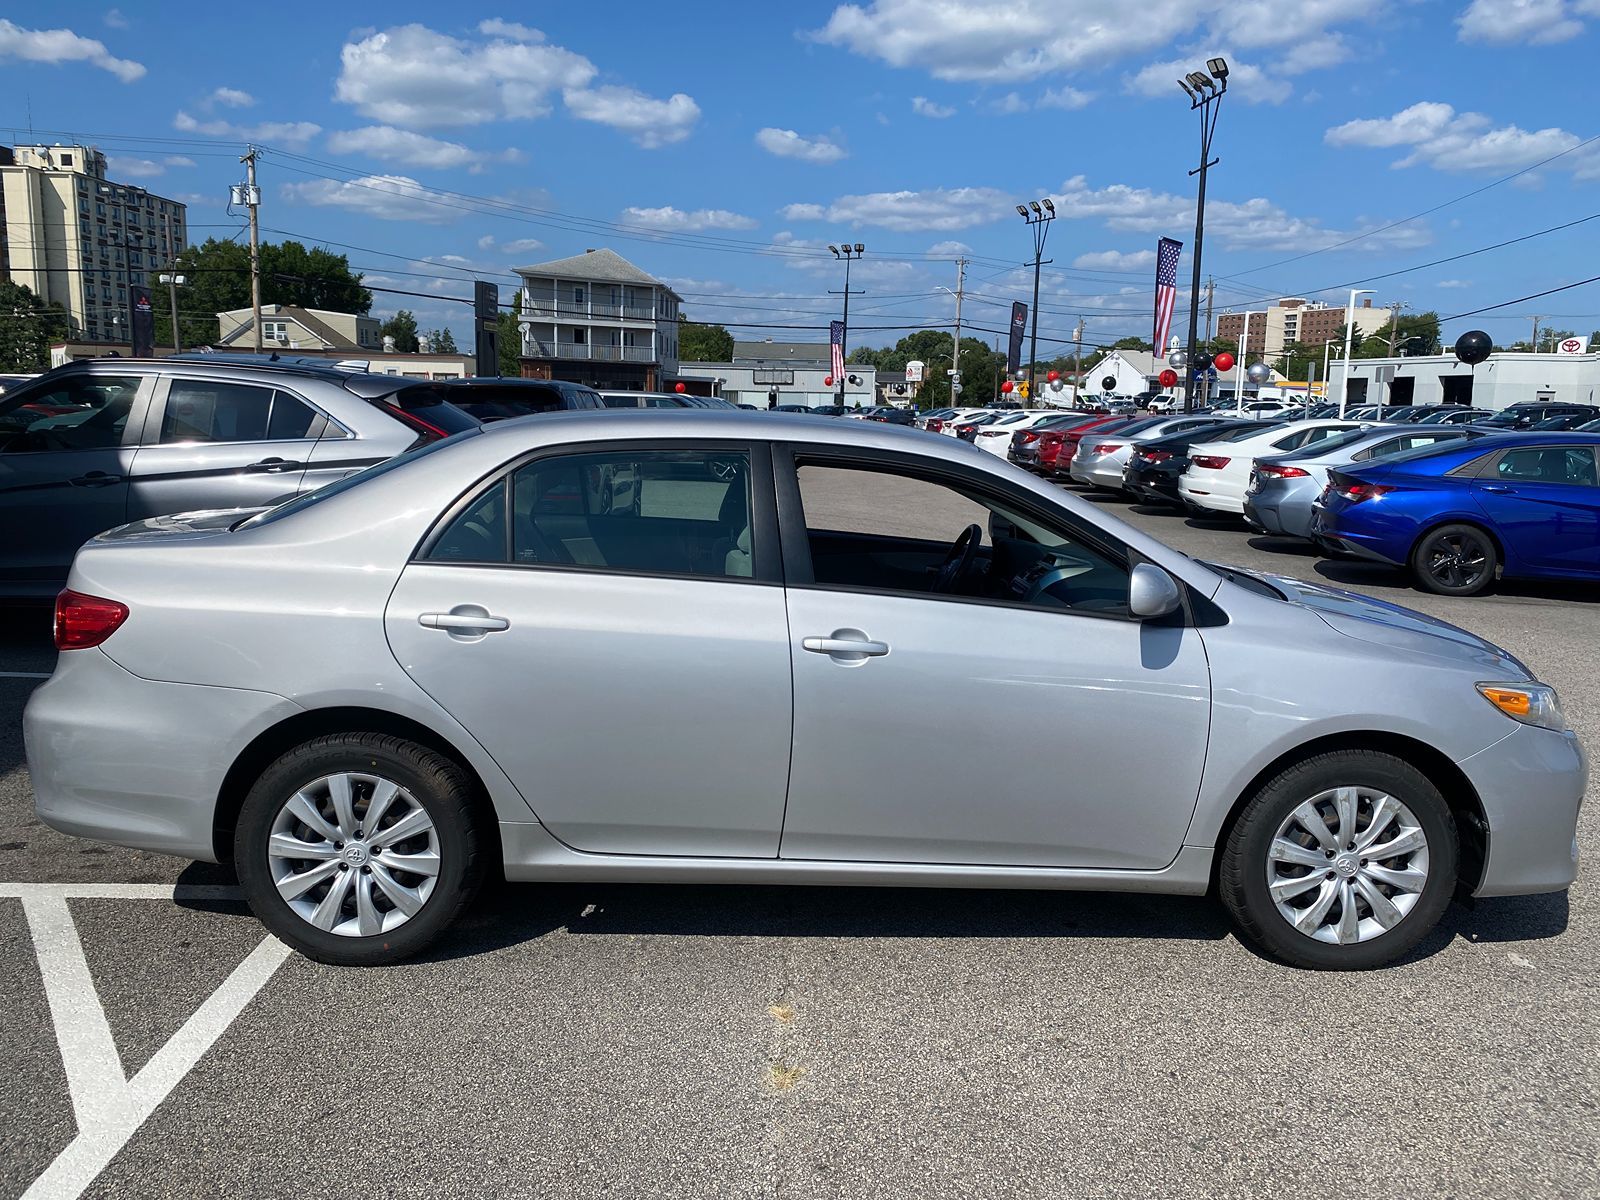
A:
x,y
1283,487
465,662
1101,457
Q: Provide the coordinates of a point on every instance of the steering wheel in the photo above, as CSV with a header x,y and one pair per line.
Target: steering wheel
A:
x,y
959,561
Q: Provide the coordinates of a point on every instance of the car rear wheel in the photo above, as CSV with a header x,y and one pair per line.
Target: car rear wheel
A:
x,y
1455,560
359,849
1344,861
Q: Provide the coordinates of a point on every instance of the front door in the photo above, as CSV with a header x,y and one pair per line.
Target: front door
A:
x,y
610,626
212,443
63,472
1546,504
968,686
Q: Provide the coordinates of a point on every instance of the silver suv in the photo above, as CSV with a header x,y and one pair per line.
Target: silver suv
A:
x,y
93,445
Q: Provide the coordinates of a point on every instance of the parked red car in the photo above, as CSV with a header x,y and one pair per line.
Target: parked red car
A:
x,y
1071,437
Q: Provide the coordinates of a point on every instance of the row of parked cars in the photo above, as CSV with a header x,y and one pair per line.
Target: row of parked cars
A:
x,y
1457,502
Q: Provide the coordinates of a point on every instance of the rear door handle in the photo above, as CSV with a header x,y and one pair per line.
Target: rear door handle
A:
x,y
1500,489
274,465
95,479
850,648
465,619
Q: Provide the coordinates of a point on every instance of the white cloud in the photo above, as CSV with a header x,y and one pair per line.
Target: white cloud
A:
x,y
1115,260
1063,97
385,197
388,144
977,40
1454,283
1009,104
951,249
648,121
522,245
57,46
294,135
1246,82
937,209
230,98
486,242
115,19
145,168
676,219
786,143
415,76
1440,137
1535,22
495,27
924,107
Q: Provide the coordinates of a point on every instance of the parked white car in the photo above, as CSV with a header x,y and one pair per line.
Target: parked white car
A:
x,y
1219,472
958,417
996,438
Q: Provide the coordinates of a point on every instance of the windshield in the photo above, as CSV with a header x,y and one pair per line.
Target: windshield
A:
x,y
1250,430
1509,416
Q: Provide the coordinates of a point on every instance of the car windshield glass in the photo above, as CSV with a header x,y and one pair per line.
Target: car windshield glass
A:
x,y
1440,447
432,405
1238,435
1339,441
339,486
1509,416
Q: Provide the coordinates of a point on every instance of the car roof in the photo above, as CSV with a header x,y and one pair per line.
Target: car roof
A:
x,y
362,383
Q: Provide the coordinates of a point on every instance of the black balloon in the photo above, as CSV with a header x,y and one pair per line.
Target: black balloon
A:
x,y
1473,347
1109,382
1202,361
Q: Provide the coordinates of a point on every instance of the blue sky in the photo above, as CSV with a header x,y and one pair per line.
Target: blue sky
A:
x,y
721,146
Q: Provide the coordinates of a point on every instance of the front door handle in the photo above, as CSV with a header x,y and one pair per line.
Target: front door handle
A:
x,y
849,646
273,466
95,479
464,621
1500,489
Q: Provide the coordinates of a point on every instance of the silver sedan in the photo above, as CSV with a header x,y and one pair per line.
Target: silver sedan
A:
x,y
477,659
1102,457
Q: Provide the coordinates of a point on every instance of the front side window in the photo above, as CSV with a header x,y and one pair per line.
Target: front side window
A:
x,y
662,512
85,413
878,529
205,411
1548,464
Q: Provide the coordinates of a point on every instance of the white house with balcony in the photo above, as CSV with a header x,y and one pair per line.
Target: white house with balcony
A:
x,y
596,318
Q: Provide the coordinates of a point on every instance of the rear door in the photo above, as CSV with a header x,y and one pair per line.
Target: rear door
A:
x,y
66,449
214,443
1545,503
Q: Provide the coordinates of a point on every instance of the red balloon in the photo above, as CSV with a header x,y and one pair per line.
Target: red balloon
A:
x,y
680,388
1053,376
827,381
1223,361
1006,386
1169,378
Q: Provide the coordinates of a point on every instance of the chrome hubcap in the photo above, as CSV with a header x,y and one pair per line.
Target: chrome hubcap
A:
x,y
354,854
1347,865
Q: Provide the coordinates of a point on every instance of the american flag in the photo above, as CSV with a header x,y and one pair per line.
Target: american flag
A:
x,y
836,341
1166,291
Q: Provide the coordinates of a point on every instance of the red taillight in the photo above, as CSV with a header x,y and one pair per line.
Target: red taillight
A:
x,y
935,425
1271,472
1028,436
85,621
1155,456
1209,462
428,430
1105,448
1357,492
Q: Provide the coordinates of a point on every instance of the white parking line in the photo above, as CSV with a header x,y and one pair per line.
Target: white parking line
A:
x,y
107,1105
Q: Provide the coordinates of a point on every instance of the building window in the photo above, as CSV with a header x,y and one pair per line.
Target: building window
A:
x,y
66,160
577,295
577,337
278,330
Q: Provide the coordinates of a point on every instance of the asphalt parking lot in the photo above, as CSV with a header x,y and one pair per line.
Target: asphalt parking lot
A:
x,y
636,1040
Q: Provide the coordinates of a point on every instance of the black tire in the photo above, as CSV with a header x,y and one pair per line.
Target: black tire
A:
x,y
437,784
1455,560
1242,872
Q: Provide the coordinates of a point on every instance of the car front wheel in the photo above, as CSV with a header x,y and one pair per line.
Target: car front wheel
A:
x,y
1344,861
359,849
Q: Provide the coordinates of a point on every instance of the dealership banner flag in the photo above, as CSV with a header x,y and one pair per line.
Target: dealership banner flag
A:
x,y
142,325
1019,322
836,343
1166,292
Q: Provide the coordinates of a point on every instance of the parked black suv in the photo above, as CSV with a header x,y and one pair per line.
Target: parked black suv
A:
x,y
491,399
1529,414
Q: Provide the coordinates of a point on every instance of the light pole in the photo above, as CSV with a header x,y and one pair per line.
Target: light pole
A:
x,y
1244,347
1205,94
174,282
847,252
955,349
1349,320
1038,220
1326,347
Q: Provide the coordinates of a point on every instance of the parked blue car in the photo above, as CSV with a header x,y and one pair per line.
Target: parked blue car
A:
x,y
1524,505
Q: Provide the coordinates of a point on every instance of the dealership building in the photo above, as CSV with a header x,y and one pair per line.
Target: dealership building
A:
x,y
1502,380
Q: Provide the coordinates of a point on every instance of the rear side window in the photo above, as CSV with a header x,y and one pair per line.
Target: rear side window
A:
x,y
426,410
203,410
1548,464
619,401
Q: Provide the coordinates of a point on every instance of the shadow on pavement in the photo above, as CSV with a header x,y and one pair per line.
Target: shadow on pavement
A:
x,y
1377,575
1296,547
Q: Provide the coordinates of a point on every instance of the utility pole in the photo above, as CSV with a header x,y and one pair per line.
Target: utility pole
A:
x,y
172,277
1077,358
1211,295
252,200
1535,342
1394,323
955,353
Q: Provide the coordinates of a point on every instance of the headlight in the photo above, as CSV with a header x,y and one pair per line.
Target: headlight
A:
x,y
1530,703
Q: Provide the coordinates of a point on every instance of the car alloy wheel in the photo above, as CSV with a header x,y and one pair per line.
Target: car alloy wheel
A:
x,y
1455,560
1348,865
354,854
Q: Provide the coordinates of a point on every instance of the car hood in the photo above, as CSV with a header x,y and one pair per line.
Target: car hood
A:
x,y
206,523
1395,627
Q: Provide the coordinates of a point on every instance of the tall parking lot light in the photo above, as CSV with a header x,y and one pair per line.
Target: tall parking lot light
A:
x,y
847,252
1349,320
1205,92
1038,219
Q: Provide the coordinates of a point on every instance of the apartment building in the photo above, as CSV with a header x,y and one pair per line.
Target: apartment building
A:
x,y
79,239
1293,319
596,318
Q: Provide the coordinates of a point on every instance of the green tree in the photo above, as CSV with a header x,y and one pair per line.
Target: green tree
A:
x,y
27,327
402,327
442,341
511,338
704,343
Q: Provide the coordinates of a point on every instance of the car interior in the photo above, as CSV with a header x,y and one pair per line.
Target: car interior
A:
x,y
78,414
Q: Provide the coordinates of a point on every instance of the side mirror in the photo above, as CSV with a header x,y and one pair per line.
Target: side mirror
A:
x,y
1152,592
